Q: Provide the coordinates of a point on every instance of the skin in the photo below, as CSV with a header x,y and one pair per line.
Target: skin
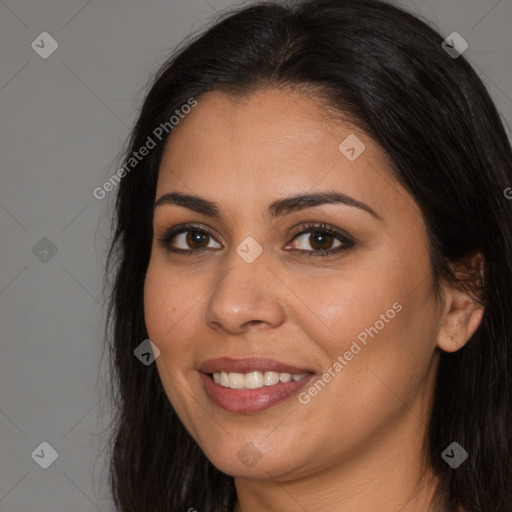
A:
x,y
357,445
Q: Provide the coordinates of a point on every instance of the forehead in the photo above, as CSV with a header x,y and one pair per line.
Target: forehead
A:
x,y
270,144
282,123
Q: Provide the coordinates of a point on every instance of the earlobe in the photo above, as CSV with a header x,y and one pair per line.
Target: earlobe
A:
x,y
459,323
463,311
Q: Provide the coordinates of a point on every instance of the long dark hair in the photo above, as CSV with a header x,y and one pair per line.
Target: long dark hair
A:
x,y
431,113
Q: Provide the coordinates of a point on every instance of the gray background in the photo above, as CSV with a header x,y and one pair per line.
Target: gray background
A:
x,y
64,120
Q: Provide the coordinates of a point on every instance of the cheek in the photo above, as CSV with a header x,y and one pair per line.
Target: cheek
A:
x,y
157,310
356,307
376,319
173,311
166,312
166,303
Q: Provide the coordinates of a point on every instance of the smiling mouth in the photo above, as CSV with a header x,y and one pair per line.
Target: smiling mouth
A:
x,y
254,380
251,384
261,390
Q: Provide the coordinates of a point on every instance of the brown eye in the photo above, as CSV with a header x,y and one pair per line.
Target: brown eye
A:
x,y
197,237
321,239
186,239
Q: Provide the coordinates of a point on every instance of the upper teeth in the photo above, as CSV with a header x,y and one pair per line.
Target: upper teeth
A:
x,y
253,380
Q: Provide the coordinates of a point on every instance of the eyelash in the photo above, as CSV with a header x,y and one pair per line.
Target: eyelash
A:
x,y
348,243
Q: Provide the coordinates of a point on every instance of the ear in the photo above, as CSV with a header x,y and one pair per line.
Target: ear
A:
x,y
463,310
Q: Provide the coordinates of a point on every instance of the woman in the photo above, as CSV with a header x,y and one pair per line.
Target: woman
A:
x,y
373,377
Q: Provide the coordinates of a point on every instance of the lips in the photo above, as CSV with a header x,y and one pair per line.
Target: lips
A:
x,y
248,401
252,364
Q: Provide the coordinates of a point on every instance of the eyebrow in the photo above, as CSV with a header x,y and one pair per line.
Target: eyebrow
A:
x,y
278,208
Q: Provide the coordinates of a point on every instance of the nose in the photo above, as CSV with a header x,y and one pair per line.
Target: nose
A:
x,y
248,295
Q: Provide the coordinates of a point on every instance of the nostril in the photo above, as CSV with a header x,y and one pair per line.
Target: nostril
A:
x,y
254,322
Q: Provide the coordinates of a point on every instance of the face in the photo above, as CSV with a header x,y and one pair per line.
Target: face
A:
x,y
338,291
